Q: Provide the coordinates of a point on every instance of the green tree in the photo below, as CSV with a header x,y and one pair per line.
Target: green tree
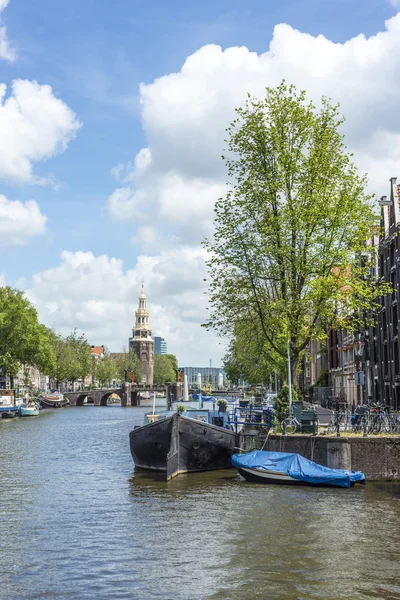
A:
x,y
105,368
291,228
126,362
249,357
81,359
282,400
64,367
73,358
163,369
174,363
23,340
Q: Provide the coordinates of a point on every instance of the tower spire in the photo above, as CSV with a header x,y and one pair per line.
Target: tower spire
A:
x,y
142,343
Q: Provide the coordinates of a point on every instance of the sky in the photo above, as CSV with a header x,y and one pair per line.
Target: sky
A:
x,y
112,126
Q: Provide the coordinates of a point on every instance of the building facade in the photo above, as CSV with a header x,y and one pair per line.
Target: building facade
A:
x,y
388,315
208,375
160,345
141,343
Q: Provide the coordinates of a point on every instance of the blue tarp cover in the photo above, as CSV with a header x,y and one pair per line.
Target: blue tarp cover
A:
x,y
196,396
297,467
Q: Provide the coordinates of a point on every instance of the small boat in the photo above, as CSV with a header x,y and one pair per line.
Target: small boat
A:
x,y
28,410
53,400
8,408
262,466
199,440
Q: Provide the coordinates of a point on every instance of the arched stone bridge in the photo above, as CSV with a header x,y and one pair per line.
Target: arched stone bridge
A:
x,y
128,392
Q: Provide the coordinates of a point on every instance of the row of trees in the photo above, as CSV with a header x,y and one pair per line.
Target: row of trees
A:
x,y
26,342
290,255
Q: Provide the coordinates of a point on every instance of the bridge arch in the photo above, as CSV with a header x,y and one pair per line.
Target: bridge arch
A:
x,y
81,399
105,397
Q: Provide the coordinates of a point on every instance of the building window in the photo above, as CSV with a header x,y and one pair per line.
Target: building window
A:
x,y
395,322
308,372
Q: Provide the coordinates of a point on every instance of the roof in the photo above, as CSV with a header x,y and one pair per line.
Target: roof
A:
x,y
96,350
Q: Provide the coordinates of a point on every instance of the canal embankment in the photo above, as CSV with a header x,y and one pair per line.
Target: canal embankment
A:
x,y
377,457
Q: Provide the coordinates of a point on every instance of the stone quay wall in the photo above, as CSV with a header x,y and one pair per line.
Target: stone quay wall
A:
x,y
377,457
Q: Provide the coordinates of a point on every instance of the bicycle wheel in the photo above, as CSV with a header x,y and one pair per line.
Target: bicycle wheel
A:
x,y
384,426
289,425
331,428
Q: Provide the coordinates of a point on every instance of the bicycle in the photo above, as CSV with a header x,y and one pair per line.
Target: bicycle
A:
x,y
290,425
340,421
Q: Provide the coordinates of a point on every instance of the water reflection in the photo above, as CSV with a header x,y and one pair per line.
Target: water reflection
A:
x,y
76,521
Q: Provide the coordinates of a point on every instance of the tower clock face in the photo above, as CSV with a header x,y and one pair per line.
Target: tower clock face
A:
x,y
143,334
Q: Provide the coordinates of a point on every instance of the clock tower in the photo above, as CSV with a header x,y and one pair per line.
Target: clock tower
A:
x,y
142,344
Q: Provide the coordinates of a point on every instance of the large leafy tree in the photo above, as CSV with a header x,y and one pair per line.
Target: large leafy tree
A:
x,y
105,368
164,371
73,358
290,230
249,357
23,340
126,362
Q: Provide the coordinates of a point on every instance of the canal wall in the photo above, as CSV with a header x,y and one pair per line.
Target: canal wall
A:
x,y
376,457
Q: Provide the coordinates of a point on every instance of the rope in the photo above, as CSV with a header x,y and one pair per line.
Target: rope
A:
x,y
312,446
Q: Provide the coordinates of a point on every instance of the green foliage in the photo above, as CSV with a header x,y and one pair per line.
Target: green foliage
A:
x,y
126,362
322,380
290,231
173,360
222,403
180,408
282,400
23,340
73,358
105,368
164,371
250,357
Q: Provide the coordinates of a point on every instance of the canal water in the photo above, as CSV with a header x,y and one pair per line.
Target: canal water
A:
x,y
77,522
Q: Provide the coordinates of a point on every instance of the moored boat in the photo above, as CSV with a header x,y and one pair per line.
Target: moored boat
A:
x,y
28,410
8,408
53,400
172,443
262,466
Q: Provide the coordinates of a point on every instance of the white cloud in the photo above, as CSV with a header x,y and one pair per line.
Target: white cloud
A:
x,y
34,125
180,174
171,185
6,51
97,295
20,221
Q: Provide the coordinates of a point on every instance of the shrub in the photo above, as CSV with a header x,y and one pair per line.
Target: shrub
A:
x,y
282,400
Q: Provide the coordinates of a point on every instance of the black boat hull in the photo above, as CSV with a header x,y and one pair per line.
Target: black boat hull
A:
x,y
182,445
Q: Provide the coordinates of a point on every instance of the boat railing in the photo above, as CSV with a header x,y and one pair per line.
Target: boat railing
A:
x,y
253,416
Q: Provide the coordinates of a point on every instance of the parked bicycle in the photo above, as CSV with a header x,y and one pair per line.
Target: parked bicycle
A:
x,y
290,424
340,421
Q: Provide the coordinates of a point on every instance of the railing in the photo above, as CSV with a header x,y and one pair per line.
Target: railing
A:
x,y
374,419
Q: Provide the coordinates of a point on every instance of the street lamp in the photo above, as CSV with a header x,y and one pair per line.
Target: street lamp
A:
x,y
358,351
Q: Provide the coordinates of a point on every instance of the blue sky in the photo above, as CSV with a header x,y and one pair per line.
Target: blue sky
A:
x,y
95,54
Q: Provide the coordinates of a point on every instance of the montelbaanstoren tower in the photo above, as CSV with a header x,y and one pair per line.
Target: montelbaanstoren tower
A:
x,y
142,344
